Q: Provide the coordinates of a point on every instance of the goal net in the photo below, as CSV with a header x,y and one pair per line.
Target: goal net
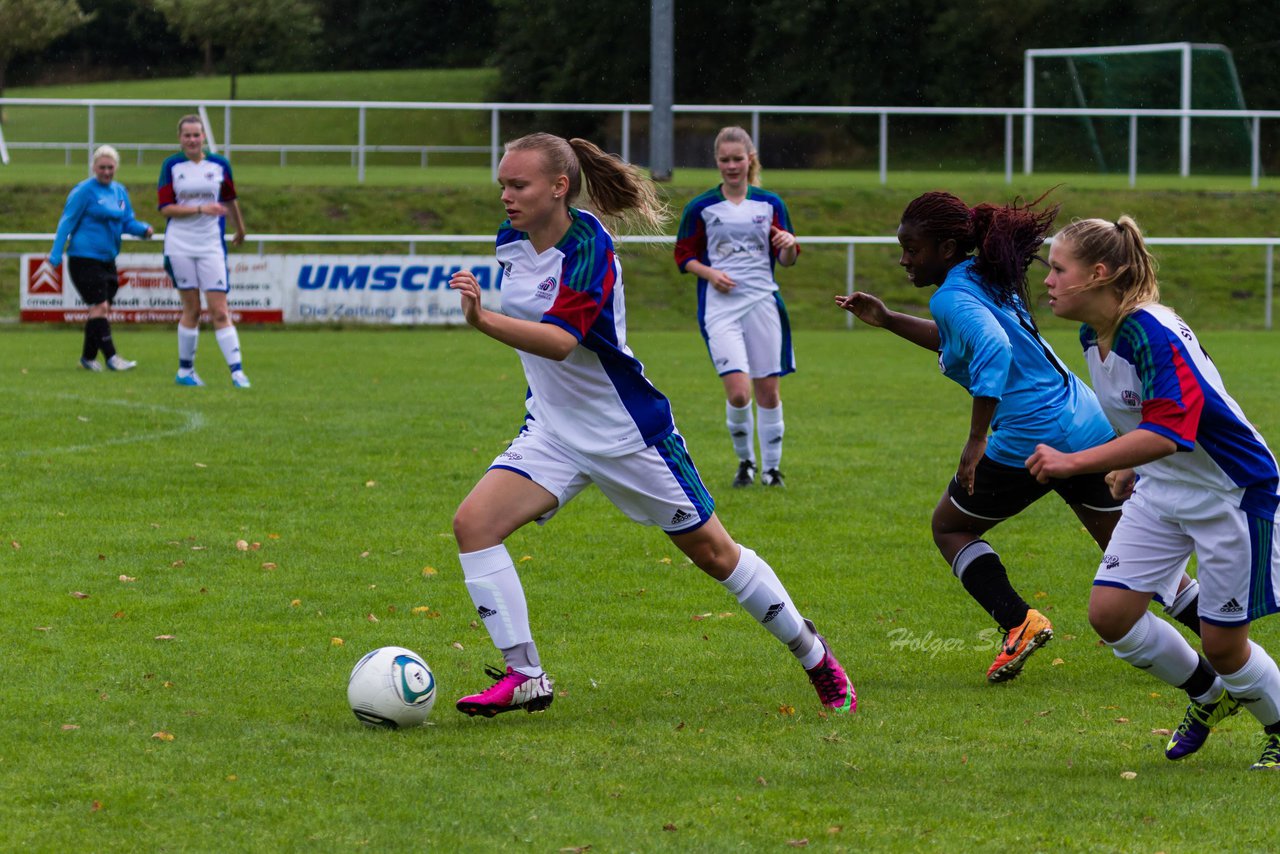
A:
x,y
1161,76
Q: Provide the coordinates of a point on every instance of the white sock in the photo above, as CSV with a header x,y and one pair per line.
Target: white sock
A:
x,y
1257,685
738,420
1157,647
758,589
769,426
495,590
229,341
187,341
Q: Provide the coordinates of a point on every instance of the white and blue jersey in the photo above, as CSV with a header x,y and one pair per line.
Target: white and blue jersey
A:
x,y
188,182
994,351
597,400
1158,378
93,218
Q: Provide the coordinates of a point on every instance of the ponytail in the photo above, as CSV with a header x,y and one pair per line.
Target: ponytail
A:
x,y
1121,249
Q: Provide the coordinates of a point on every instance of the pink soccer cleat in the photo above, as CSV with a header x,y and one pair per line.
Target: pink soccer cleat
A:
x,y
512,691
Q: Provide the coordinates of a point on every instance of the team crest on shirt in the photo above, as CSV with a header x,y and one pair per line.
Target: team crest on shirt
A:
x,y
759,219
546,286
1131,399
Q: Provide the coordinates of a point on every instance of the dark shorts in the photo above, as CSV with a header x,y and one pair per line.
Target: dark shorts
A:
x,y
96,281
1001,491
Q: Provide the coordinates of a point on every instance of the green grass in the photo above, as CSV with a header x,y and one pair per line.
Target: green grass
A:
x,y
345,462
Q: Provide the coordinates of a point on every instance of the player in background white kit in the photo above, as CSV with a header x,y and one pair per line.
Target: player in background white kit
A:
x,y
593,417
730,237
1199,477
196,193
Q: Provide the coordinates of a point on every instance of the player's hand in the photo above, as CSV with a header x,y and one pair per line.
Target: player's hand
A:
x,y
212,209
464,282
720,280
1121,482
149,233
969,457
781,238
868,308
238,238
1046,462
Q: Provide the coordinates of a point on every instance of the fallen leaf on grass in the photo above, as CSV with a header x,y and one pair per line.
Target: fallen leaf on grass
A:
x,y
1128,775
337,642
198,548
668,826
581,849
268,565
127,578
456,646
242,545
427,611
1162,732
294,603
798,843
761,781
95,806
835,828
364,554
231,778
201,466
371,618
44,628
16,545
69,727
177,564
1121,720
1040,594
679,726
166,637
665,560
82,418
428,570
78,595
273,536
525,558
786,711
255,546
699,617
118,615
369,484
1056,662
162,736
1045,713
1155,695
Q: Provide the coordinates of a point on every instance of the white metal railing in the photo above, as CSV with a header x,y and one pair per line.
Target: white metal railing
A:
x,y
850,242
360,147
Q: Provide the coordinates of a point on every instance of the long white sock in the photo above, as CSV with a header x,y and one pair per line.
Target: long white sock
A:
x,y
1257,685
229,341
769,426
496,591
1156,647
187,341
758,589
741,430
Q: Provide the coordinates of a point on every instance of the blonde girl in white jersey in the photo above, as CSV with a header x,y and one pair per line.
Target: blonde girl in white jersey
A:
x,y
593,417
197,193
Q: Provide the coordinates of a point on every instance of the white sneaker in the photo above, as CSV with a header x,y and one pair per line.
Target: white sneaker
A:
x,y
116,363
239,380
90,365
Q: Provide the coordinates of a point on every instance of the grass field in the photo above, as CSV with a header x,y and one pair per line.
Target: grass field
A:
x,y
166,690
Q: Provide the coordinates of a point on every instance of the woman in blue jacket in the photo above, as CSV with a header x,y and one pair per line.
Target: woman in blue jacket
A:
x,y
97,212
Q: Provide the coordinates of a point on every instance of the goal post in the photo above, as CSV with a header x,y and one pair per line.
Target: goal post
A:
x,y
1218,74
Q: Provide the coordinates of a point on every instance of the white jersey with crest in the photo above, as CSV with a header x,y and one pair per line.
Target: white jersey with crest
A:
x,y
597,400
187,182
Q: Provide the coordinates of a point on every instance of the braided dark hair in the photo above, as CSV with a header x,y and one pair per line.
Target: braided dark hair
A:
x,y
1005,237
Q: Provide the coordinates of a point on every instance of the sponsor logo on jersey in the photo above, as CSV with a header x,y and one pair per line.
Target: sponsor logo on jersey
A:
x,y
759,219
42,279
1131,399
386,277
547,285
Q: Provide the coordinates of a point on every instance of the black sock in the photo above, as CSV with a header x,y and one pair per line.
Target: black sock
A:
x,y
1190,615
987,582
1199,681
1272,729
90,350
104,338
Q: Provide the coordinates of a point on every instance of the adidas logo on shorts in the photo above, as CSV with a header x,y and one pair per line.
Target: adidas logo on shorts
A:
x,y
681,515
1232,607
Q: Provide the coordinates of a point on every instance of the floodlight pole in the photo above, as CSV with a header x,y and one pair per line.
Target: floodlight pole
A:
x,y
661,87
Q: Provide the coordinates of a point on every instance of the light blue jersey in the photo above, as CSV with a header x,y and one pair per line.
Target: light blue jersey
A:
x,y
994,351
94,217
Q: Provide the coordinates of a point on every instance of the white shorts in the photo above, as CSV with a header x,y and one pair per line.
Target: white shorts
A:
x,y
1237,555
755,341
654,486
205,272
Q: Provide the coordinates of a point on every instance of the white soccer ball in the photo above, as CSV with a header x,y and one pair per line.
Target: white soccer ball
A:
x,y
391,687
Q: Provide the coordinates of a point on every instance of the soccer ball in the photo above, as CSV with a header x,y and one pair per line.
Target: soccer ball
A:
x,y
391,687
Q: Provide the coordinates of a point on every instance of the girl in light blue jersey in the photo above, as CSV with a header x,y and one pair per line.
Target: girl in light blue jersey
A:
x,y
988,342
593,418
97,213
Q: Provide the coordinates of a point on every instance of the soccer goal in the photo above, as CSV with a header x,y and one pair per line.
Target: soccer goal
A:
x,y
1175,75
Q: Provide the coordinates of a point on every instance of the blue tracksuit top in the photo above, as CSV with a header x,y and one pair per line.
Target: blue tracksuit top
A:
x,y
94,218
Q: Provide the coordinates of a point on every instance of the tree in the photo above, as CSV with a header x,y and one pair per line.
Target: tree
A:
x,y
30,25
242,29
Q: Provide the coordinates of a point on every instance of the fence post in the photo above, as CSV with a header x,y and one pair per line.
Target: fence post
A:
x,y
884,148
360,146
493,144
848,285
1255,161
626,136
91,133
1008,148
1271,267
226,130
1133,150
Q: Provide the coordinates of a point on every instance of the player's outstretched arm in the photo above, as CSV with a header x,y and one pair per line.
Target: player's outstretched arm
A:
x,y
871,310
